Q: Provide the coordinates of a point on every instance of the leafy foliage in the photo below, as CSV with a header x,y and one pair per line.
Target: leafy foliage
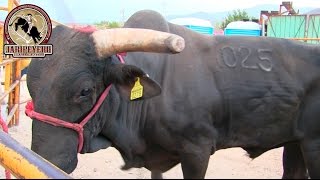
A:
x,y
107,24
237,15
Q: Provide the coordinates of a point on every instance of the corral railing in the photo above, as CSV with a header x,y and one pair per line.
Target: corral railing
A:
x,y
10,97
24,163
17,159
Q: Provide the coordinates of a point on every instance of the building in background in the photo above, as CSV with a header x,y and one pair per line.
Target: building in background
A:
x,y
303,27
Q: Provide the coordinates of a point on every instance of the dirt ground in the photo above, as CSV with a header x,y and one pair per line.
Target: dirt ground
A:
x,y
224,164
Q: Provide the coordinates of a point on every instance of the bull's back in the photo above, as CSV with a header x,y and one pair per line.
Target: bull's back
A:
x,y
258,66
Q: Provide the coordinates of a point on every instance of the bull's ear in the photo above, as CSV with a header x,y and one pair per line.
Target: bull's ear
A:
x,y
128,78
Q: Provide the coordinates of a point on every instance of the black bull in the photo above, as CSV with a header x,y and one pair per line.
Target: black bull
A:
x,y
257,93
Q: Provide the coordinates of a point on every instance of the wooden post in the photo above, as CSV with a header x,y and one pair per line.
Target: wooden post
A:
x,y
13,73
16,99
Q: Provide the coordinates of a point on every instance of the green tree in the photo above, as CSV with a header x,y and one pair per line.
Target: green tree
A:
x,y
237,15
107,24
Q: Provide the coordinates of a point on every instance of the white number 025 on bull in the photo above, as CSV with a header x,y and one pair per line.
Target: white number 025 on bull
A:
x,y
137,90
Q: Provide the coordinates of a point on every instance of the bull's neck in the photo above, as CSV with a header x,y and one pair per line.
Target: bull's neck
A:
x,y
124,127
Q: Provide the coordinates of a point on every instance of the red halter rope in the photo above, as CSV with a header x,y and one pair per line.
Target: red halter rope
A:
x,y
61,123
58,122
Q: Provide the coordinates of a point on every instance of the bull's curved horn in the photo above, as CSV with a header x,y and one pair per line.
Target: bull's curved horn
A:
x,y
112,41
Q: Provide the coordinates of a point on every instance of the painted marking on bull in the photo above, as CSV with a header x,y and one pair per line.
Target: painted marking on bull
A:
x,y
246,57
232,55
265,55
228,54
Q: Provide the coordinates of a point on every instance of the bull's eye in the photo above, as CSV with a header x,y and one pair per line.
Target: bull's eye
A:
x,y
85,92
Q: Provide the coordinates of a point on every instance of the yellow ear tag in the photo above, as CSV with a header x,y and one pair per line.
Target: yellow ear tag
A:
x,y
137,90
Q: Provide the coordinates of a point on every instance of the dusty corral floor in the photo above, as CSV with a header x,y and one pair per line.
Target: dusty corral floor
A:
x,y
230,163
